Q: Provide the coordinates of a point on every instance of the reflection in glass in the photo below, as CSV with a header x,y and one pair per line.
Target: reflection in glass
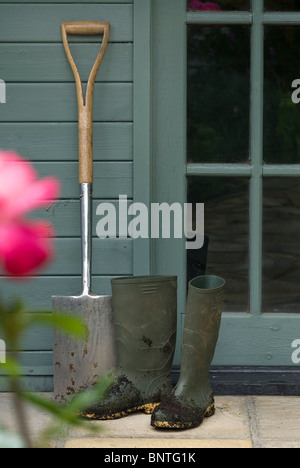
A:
x,y
197,5
282,5
218,94
281,114
281,248
226,249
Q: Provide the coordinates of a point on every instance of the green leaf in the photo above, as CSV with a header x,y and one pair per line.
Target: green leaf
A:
x,y
50,406
11,367
70,412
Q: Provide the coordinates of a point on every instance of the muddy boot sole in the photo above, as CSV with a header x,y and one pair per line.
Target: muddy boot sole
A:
x,y
184,425
147,409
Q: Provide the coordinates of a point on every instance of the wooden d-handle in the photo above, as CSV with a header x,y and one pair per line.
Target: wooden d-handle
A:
x,y
85,103
88,28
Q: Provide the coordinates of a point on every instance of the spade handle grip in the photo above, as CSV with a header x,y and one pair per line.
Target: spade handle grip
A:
x,y
85,103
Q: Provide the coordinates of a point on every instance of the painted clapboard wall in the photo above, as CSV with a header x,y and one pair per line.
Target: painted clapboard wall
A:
x,y
39,120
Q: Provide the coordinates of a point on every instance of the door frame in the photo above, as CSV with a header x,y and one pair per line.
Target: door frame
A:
x,y
160,75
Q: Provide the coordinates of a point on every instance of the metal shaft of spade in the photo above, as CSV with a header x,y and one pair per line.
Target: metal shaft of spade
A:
x,y
86,200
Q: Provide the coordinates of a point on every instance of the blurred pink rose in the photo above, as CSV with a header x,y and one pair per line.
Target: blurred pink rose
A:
x,y
25,245
208,6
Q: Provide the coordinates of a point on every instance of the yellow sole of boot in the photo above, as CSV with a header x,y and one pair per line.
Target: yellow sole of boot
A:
x,y
167,425
147,409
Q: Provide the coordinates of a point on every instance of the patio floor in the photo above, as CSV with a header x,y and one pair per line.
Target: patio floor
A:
x,y
240,422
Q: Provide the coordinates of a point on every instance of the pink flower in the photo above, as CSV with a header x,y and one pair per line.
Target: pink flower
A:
x,y
24,245
196,5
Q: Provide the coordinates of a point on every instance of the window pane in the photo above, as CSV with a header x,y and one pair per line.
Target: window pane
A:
x,y
282,5
281,258
218,94
281,114
226,249
197,5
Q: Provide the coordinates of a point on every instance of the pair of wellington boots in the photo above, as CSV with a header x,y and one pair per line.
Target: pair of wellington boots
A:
x,y
145,319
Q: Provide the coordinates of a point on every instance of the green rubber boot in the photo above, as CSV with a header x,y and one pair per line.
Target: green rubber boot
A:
x,y
145,318
193,397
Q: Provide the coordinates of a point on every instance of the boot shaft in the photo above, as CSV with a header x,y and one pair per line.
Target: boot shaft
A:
x,y
201,332
145,319
203,319
143,301
192,400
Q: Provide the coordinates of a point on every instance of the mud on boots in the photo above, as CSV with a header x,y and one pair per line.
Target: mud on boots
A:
x,y
192,399
145,320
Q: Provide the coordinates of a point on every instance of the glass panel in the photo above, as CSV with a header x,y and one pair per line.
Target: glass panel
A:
x,y
226,248
281,111
282,5
197,5
281,258
218,94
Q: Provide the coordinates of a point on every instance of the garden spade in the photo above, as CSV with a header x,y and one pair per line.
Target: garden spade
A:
x,y
78,365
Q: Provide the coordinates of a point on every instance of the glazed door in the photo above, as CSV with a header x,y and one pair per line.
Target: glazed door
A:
x,y
224,116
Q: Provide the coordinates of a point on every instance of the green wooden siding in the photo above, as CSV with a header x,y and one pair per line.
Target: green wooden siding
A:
x,y
54,142
41,63
41,23
39,120
45,102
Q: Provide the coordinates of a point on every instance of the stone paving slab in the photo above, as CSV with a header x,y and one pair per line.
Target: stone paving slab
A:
x,y
240,422
145,443
230,422
278,421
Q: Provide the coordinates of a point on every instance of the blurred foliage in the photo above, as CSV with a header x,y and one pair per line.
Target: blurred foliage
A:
x,y
15,321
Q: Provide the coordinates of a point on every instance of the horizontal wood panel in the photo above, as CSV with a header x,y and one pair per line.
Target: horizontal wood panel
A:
x,y
267,338
31,371
41,23
37,372
110,179
35,63
37,293
38,338
58,103
31,383
32,359
59,142
65,216
110,257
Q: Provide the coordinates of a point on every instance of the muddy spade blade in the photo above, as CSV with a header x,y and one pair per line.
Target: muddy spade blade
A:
x,y
79,364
